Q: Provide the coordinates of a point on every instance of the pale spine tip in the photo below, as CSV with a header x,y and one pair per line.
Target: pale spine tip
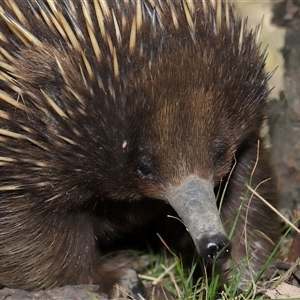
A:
x,y
139,14
117,28
17,12
132,40
91,30
241,38
116,64
219,13
259,30
55,107
104,7
188,16
174,15
100,17
227,14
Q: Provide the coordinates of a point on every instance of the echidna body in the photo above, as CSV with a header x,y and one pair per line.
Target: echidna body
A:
x,y
108,110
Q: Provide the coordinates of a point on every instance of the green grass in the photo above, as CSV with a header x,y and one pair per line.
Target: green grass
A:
x,y
166,273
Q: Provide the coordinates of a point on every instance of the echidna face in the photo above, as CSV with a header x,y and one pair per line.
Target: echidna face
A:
x,y
183,181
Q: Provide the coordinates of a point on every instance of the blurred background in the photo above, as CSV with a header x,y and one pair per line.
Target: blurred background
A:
x,y
281,33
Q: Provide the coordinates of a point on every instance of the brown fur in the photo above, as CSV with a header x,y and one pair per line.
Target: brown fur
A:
x,y
74,181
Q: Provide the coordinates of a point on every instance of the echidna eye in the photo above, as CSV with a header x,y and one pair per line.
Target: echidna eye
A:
x,y
220,150
144,171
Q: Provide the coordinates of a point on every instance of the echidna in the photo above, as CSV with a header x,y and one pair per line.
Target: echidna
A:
x,y
110,109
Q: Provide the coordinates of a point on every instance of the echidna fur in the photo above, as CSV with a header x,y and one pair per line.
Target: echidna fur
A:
x,y
108,110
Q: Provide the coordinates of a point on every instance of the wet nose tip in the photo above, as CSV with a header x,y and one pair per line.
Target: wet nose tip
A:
x,y
215,249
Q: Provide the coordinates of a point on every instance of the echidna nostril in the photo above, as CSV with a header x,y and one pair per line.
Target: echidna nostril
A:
x,y
215,249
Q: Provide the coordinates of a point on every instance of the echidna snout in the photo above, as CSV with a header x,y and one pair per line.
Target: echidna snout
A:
x,y
194,201
215,249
